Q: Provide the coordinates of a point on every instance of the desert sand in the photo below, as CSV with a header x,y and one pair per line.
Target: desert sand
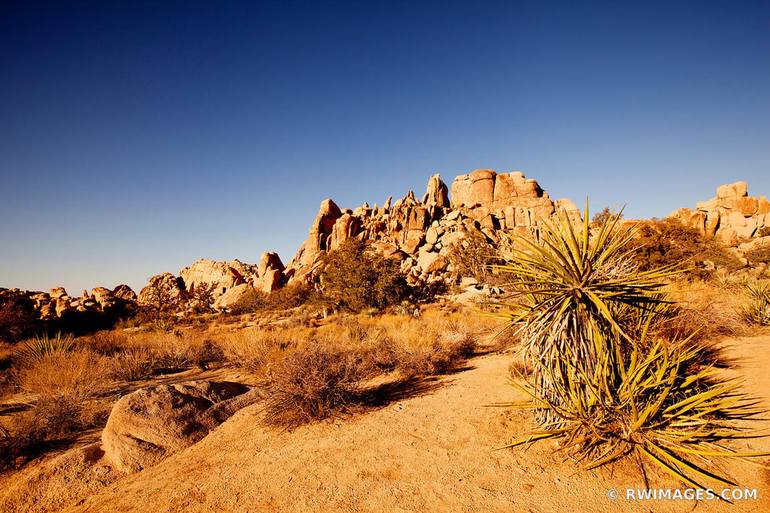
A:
x,y
434,452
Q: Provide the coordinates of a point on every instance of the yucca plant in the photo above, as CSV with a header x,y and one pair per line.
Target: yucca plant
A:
x,y
570,282
757,311
658,405
598,381
38,348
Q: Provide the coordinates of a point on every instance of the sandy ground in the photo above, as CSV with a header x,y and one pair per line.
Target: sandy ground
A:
x,y
434,452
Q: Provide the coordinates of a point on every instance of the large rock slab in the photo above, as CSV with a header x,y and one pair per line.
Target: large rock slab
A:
x,y
152,423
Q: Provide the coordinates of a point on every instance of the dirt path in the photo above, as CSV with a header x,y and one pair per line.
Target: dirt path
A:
x,y
435,452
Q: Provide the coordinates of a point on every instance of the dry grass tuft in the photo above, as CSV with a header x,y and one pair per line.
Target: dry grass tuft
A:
x,y
64,386
312,384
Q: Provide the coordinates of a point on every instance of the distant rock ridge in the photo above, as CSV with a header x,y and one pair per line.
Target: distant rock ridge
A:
x,y
419,234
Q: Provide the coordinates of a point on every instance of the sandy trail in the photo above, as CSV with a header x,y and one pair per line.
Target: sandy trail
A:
x,y
434,452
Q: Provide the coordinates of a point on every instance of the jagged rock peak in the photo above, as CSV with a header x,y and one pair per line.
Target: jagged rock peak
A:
x,y
437,193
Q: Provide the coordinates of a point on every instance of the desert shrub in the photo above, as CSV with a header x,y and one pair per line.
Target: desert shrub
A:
x,y
37,349
65,386
291,296
603,216
106,343
256,348
18,318
668,242
601,383
312,384
50,422
702,309
760,255
474,256
132,364
356,278
441,357
79,374
202,298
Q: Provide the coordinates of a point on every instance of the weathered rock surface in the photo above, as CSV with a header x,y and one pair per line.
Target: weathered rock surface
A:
x,y
732,216
235,297
163,289
220,276
152,423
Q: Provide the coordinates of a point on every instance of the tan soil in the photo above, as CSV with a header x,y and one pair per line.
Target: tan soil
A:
x,y
434,452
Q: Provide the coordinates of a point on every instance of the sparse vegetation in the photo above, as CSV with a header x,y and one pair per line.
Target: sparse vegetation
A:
x,y
757,309
661,243
474,256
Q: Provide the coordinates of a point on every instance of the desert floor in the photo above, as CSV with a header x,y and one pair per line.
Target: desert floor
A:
x,y
435,451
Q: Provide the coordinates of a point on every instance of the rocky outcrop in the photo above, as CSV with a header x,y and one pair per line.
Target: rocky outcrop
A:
x,y
25,313
152,423
269,276
235,298
219,276
731,216
420,234
163,290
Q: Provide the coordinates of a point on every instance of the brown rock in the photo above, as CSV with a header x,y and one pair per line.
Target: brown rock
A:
x,y
472,189
437,193
152,423
733,190
124,292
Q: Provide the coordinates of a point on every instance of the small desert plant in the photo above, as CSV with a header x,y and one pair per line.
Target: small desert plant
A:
x,y
474,256
760,255
79,374
132,364
757,309
445,354
39,348
602,217
312,384
661,243
570,284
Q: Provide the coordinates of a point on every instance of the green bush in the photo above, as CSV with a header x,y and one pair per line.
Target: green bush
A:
x,y
355,278
667,242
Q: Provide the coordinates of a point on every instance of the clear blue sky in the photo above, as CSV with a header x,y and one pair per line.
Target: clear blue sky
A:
x,y
136,137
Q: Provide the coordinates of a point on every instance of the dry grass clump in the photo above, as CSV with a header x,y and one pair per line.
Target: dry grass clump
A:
x,y
63,387
256,348
312,384
703,310
132,364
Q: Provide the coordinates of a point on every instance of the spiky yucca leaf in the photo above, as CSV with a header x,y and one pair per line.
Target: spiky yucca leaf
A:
x,y
36,349
757,310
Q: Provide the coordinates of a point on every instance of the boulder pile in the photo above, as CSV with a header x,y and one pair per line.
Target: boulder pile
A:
x,y
732,216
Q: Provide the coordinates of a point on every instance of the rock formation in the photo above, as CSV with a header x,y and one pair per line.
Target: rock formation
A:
x,y
421,233
732,216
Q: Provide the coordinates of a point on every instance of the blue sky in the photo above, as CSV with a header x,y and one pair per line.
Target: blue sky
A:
x,y
136,137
